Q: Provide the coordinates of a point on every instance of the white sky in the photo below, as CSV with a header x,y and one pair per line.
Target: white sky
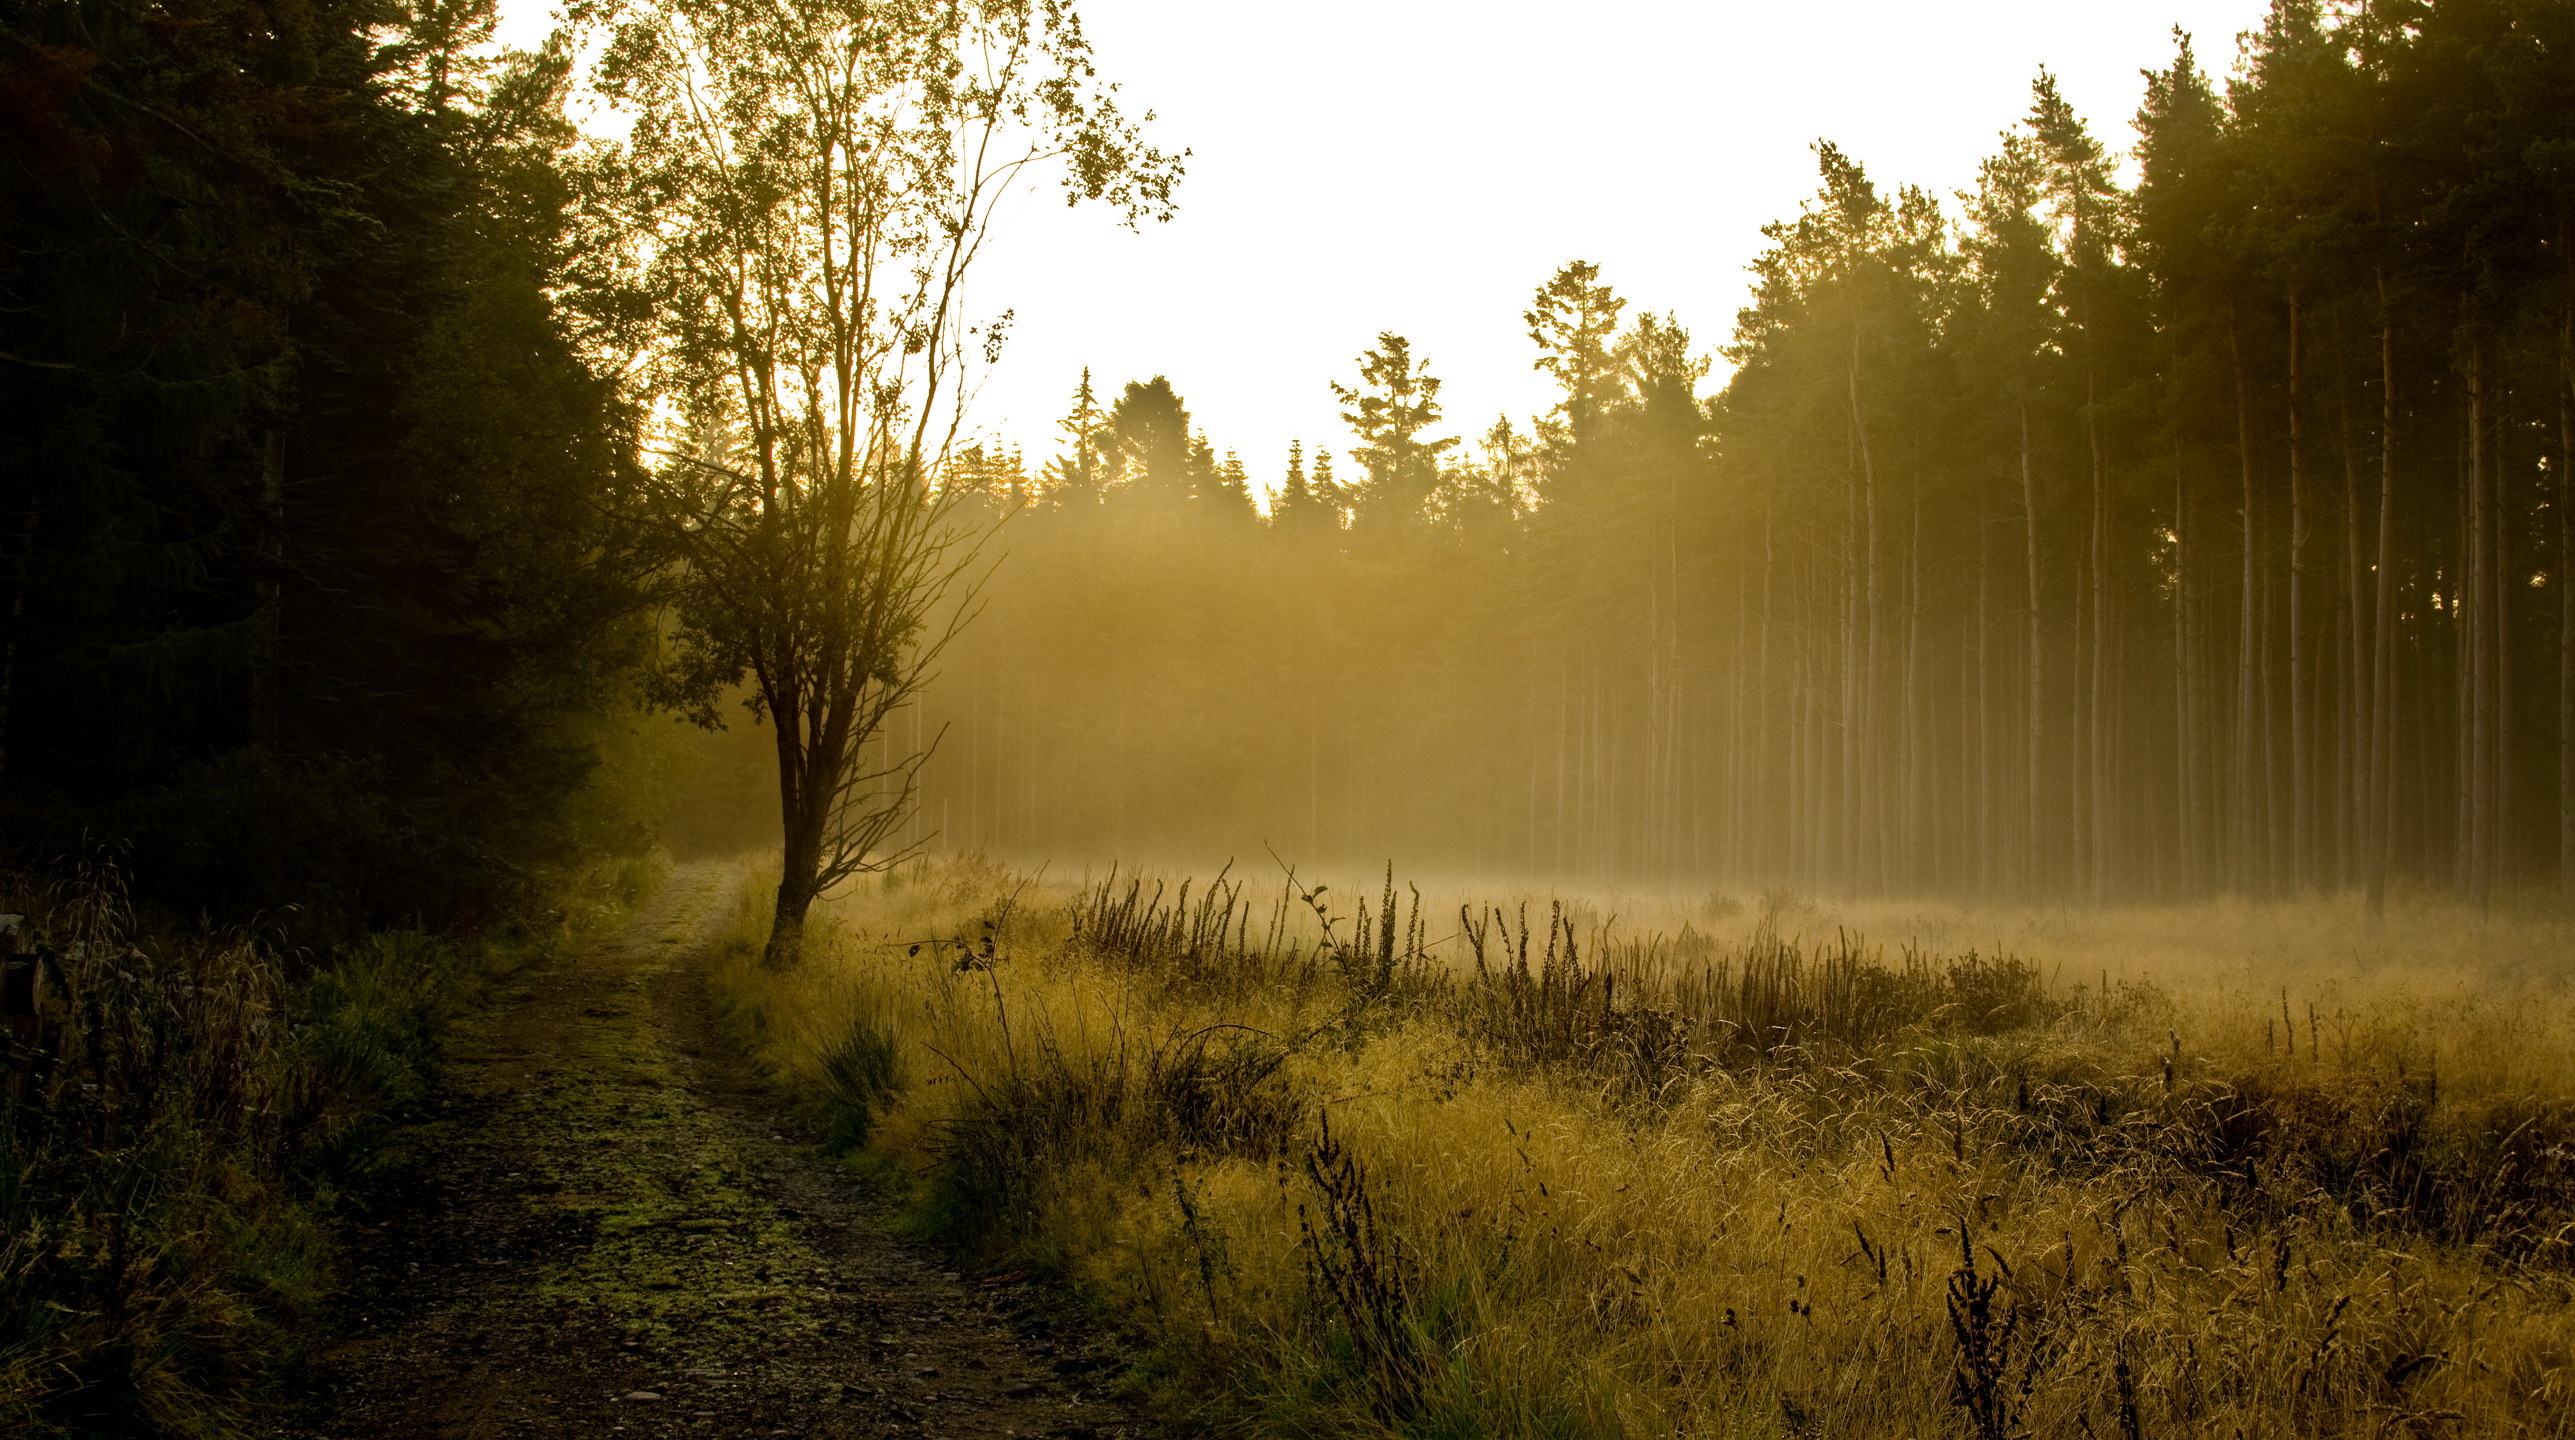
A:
x,y
1368,165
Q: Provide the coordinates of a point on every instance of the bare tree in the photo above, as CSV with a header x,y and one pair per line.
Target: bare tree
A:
x,y
805,189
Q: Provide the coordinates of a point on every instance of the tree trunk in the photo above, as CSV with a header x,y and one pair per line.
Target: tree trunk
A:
x,y
1731,861
2301,741
1870,772
786,947
2501,570
1801,809
2464,583
2379,836
806,781
2078,735
2033,839
2566,586
2355,767
2274,804
2185,700
2245,859
1850,724
2479,592
1987,880
1919,845
1765,817
2097,749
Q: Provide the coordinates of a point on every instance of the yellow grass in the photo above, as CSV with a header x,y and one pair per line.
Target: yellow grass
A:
x,y
1334,1205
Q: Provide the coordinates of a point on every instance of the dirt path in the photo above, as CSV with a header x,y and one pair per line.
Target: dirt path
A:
x,y
617,1235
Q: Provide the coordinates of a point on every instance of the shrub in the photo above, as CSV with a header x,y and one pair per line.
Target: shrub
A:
x,y
180,1116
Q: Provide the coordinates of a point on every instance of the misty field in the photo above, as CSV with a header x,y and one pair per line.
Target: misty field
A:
x,y
1380,1161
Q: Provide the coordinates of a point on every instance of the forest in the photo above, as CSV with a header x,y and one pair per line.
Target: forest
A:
x,y
2077,537
532,705
312,601
2073,537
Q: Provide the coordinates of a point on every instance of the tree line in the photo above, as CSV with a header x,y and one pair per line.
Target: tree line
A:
x,y
2104,532
386,463
312,596
375,451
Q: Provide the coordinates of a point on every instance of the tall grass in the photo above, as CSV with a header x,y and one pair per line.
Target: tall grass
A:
x,y
1404,1165
181,1114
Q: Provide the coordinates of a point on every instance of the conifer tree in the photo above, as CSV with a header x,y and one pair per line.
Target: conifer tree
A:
x,y
1075,478
1397,398
1150,437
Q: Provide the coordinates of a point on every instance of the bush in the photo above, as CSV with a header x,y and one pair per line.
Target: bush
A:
x,y
179,1118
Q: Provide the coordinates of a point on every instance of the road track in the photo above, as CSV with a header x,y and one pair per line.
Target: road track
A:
x,y
616,1231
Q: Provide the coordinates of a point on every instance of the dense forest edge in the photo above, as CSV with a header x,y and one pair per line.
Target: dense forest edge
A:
x,y
2103,535
2110,532
318,656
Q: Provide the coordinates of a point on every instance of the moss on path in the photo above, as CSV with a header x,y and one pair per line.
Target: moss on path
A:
x,y
616,1233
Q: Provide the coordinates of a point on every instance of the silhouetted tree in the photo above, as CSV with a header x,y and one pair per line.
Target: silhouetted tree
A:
x,y
806,188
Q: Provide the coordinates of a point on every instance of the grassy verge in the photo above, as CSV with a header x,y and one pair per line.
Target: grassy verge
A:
x,y
1429,1167
181,1116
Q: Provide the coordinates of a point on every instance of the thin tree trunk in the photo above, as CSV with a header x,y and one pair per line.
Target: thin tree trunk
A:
x,y
2097,806
1871,769
2274,802
2185,706
2033,838
1805,794
2463,677
2078,734
1919,845
1765,746
2566,582
2480,637
2355,767
1852,723
1987,880
2500,788
2301,740
1731,864
2245,859
2380,837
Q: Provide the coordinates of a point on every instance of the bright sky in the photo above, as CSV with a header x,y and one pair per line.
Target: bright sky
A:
x,y
1370,165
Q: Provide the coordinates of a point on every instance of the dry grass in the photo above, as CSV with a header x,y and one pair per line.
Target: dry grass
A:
x,y
1731,1169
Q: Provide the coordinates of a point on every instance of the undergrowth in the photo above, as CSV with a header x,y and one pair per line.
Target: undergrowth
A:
x,y
1387,1165
183,1113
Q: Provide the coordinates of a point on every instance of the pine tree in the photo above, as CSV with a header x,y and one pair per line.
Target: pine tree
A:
x,y
1397,398
1074,480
